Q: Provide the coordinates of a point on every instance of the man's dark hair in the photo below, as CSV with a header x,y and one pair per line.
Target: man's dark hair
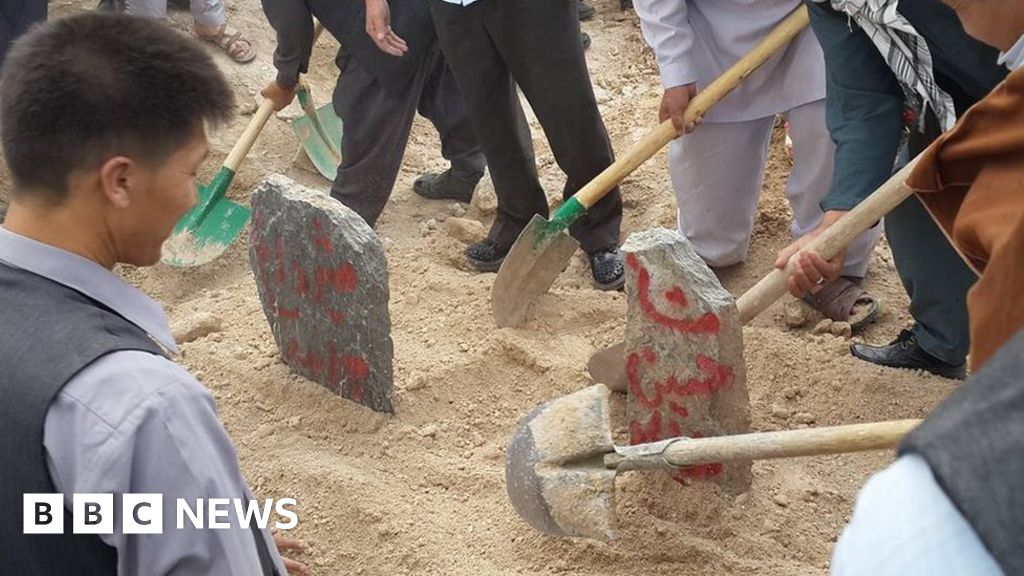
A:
x,y
79,90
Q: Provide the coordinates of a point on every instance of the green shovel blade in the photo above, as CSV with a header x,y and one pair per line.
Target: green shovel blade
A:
x,y
320,132
206,231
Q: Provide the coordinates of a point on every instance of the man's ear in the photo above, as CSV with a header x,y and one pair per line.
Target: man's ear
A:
x,y
118,175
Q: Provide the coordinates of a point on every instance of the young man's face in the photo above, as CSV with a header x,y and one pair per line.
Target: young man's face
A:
x,y
165,194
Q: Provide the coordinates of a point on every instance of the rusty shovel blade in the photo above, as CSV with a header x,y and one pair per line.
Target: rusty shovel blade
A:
x,y
538,256
554,467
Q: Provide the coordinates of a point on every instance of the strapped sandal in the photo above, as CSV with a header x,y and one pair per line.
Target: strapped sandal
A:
x,y
845,301
232,43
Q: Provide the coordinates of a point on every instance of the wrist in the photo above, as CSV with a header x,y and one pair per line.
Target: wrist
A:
x,y
831,217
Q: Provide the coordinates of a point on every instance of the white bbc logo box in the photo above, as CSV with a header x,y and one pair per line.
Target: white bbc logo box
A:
x,y
93,514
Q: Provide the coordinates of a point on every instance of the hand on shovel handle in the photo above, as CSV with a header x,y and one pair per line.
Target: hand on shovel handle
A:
x,y
608,365
831,242
280,95
696,107
543,248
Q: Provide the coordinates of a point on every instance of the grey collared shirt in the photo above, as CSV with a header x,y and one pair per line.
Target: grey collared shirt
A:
x,y
137,423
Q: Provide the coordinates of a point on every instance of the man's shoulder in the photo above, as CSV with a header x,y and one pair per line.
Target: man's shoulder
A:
x,y
121,388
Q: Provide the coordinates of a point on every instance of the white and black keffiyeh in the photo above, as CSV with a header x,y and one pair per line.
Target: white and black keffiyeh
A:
x,y
904,50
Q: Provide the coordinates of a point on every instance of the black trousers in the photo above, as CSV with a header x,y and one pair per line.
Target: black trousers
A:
x,y
493,45
16,16
377,124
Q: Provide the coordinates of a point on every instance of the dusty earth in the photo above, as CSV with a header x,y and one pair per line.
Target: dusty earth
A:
x,y
423,492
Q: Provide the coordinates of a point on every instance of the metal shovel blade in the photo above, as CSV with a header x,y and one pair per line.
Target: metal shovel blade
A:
x,y
536,259
206,231
320,132
608,366
554,468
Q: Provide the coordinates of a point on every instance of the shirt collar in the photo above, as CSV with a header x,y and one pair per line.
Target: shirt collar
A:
x,y
1014,57
89,278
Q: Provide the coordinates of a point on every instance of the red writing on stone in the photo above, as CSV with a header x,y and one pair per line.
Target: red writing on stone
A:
x,y
706,324
673,394
341,279
321,240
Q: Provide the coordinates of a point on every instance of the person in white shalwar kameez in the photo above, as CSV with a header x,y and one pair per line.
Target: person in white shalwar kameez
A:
x,y
717,170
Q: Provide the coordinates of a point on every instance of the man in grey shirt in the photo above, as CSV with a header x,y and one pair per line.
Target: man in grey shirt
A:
x,y
103,131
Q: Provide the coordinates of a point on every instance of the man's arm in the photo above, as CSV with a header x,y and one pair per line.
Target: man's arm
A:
x,y
864,111
864,108
666,27
136,423
293,22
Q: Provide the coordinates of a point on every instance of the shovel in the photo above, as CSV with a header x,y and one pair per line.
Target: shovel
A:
x,y
207,230
543,248
561,462
320,131
608,366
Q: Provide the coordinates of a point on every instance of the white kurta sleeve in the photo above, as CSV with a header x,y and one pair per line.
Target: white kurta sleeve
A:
x,y
666,27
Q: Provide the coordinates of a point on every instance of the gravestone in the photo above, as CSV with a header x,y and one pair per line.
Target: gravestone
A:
x,y
684,351
323,282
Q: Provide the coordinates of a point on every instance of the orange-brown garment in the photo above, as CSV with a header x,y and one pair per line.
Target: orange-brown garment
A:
x,y
971,180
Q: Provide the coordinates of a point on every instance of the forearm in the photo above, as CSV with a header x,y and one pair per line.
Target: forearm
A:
x,y
667,30
864,109
293,23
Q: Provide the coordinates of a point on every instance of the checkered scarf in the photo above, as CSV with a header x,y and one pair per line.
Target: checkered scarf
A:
x,y
904,50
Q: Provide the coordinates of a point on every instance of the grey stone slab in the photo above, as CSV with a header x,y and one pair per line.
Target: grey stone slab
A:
x,y
684,350
322,279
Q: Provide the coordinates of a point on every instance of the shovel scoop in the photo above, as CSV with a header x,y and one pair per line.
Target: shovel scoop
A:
x,y
320,131
544,248
561,462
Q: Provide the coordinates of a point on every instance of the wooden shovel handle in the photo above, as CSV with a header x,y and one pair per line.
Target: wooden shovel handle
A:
x,y
789,443
245,141
831,241
699,105
259,119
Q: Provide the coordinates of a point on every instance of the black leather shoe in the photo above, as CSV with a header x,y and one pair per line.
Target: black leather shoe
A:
x,y
585,39
584,11
606,266
485,255
904,352
446,186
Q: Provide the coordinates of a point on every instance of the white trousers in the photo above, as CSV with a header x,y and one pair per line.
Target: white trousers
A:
x,y
206,12
717,173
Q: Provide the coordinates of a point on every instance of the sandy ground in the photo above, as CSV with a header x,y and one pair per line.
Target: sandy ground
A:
x,y
423,492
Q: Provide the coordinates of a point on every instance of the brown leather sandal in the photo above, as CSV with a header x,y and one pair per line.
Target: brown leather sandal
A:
x,y
843,300
233,43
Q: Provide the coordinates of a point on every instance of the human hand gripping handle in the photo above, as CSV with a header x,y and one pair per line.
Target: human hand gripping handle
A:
x,y
281,96
378,27
809,271
829,243
673,106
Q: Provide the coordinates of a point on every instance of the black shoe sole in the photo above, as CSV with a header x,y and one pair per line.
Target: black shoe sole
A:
x,y
951,373
617,284
485,266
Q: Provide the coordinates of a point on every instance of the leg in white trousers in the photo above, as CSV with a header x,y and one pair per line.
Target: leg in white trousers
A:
x,y
718,171
209,13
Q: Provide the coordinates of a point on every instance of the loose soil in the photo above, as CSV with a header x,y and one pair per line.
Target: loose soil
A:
x,y
422,492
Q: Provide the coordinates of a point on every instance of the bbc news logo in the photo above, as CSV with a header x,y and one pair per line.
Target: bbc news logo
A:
x,y
144,513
